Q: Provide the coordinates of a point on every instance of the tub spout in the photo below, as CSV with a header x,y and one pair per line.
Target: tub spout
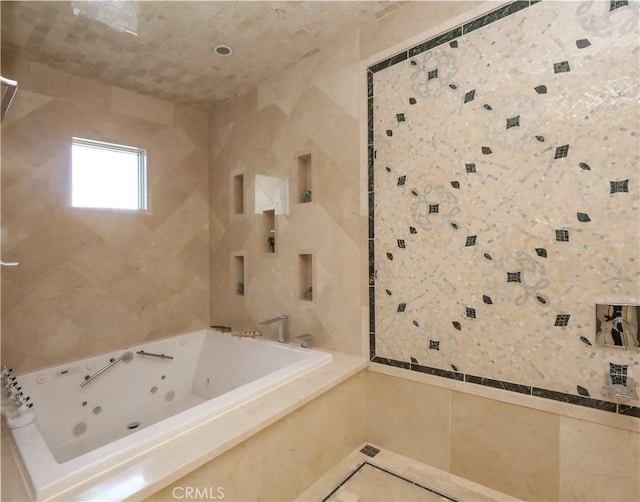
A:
x,y
282,327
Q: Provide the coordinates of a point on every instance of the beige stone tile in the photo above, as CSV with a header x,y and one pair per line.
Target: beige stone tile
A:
x,y
422,434
52,82
137,105
506,447
598,462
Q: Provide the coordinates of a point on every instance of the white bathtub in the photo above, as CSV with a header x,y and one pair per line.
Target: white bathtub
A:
x,y
81,432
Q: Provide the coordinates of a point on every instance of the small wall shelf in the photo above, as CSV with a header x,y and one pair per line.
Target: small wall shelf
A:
x,y
304,175
305,277
237,194
269,231
238,273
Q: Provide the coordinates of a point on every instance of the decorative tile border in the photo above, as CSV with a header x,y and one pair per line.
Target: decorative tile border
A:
x,y
582,399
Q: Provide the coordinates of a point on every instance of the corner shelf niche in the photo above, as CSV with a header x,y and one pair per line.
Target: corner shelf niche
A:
x,y
305,277
304,175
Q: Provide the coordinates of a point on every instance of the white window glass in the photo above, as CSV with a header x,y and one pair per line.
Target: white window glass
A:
x,y
107,176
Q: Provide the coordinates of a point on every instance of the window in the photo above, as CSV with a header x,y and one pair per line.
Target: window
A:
x,y
108,176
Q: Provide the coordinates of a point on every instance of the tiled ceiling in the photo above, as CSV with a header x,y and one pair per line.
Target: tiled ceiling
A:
x,y
165,49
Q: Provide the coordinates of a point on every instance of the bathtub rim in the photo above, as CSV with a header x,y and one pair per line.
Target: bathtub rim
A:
x,y
50,485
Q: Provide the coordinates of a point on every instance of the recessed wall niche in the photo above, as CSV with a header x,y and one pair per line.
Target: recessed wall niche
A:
x,y
304,178
305,276
237,194
269,231
238,273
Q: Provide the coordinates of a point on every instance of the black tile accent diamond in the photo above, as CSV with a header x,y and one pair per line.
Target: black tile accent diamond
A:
x,y
455,184
453,86
454,367
541,299
414,193
470,312
401,307
387,168
562,235
561,67
470,168
487,299
616,4
453,44
583,217
412,230
585,340
434,345
540,138
562,319
457,325
471,240
412,101
585,166
389,132
402,180
454,225
514,277
401,244
486,150
582,43
619,186
434,208
414,360
542,252
400,117
582,391
369,451
487,107
488,256
513,122
469,96
390,256
541,89
415,323
388,291
561,151
432,74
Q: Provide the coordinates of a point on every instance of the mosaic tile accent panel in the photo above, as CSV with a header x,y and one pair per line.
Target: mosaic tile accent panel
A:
x,y
509,150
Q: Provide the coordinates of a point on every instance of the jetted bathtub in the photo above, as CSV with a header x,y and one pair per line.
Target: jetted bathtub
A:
x,y
81,432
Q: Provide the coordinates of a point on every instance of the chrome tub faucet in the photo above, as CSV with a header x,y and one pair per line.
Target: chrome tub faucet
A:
x,y
282,327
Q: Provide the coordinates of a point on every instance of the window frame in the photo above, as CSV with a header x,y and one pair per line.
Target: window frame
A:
x,y
141,153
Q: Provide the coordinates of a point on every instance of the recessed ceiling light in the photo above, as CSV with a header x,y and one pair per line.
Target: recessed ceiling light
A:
x,y
222,50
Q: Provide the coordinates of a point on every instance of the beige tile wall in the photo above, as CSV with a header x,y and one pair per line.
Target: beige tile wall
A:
x,y
508,446
287,457
91,281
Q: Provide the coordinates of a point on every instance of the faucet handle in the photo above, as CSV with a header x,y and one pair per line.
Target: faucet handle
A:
x,y
304,340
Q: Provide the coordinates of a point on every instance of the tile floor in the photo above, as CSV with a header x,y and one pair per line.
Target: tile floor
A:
x,y
371,474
